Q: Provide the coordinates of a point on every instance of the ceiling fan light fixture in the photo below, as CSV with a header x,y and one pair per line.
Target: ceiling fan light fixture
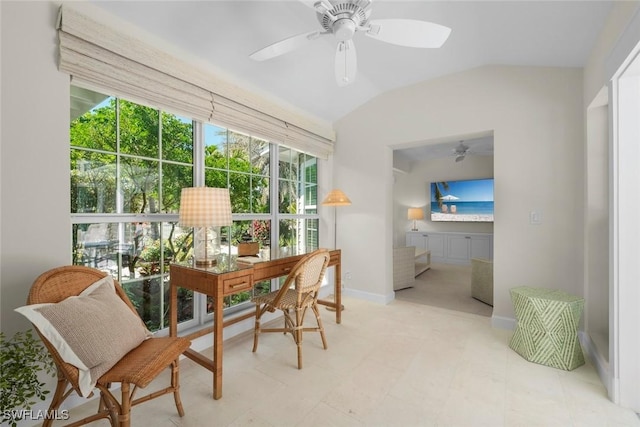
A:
x,y
344,29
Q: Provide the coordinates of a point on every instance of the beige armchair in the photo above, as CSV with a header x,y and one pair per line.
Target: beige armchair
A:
x,y
482,280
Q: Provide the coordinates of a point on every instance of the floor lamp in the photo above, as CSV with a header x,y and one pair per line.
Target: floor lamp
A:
x,y
336,198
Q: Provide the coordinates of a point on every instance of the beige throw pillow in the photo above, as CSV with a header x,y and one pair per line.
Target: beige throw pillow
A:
x,y
91,331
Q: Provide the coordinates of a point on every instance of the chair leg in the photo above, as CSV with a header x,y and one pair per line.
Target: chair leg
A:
x,y
320,326
124,417
109,404
285,313
256,329
298,335
175,383
58,397
289,324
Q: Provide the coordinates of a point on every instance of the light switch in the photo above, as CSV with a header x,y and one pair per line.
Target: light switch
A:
x,y
535,217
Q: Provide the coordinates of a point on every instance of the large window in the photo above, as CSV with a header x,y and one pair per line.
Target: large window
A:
x,y
128,164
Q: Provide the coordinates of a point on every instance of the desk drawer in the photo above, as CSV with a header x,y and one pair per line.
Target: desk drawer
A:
x,y
237,284
279,270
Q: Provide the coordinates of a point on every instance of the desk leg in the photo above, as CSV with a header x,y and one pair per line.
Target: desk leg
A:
x,y
217,346
173,310
337,292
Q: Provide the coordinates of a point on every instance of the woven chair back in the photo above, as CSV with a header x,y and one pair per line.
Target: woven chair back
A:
x,y
311,273
58,284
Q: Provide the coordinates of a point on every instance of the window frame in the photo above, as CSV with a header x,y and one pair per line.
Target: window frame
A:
x,y
200,315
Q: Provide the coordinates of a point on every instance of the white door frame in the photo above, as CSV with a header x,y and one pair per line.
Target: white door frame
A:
x,y
624,209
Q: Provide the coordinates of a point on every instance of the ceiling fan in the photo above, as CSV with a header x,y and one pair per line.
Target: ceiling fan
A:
x,y
460,151
344,18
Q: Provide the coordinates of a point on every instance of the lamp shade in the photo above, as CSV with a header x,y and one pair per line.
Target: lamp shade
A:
x,y
336,198
415,213
205,207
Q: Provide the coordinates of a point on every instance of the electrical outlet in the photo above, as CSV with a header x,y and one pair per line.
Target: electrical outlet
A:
x,y
347,275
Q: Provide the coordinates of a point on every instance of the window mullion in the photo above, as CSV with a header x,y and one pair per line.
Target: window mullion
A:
x,y
159,159
119,195
273,196
199,300
198,154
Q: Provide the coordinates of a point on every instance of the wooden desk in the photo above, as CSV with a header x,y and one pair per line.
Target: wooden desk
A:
x,y
221,281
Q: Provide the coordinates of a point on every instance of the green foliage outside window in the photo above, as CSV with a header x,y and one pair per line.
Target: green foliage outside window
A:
x,y
95,158
130,160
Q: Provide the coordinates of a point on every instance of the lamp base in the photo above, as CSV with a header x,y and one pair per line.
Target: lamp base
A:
x,y
206,263
414,229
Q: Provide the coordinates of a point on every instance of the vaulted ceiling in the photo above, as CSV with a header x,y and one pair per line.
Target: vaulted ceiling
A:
x,y
222,35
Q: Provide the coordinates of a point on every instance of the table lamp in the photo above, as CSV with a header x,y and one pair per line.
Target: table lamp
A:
x,y
415,214
203,208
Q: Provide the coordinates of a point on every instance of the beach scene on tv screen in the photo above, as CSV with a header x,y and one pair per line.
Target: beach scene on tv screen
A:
x,y
463,201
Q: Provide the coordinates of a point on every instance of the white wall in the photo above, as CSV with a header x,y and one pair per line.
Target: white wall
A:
x,y
411,190
617,364
597,229
35,229
536,117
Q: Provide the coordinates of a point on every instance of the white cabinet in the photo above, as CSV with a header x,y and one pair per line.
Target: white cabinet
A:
x,y
459,248
436,243
416,239
481,247
452,248
432,242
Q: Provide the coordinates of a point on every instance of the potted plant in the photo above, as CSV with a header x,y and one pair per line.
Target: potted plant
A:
x,y
22,359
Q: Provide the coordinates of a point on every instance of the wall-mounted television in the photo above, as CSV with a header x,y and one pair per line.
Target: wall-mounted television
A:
x,y
462,201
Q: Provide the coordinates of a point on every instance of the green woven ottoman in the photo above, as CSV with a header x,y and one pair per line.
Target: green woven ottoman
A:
x,y
547,327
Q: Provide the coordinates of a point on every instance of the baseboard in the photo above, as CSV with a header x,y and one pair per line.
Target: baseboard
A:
x,y
500,322
367,296
597,359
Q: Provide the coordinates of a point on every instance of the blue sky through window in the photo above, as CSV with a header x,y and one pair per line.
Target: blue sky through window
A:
x,y
214,135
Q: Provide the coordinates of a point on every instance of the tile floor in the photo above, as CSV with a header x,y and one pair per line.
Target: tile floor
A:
x,y
446,286
403,364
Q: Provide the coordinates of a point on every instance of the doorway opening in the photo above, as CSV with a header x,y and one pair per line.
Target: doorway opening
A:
x,y
447,283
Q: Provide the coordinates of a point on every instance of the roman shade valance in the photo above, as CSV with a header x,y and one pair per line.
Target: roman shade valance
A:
x,y
93,52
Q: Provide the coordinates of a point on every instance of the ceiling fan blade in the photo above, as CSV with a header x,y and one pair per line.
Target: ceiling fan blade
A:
x,y
346,63
285,46
311,4
409,32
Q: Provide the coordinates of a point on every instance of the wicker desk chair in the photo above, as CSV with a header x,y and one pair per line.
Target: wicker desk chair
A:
x,y
138,367
298,293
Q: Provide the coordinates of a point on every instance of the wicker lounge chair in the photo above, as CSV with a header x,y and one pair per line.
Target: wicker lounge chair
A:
x,y
136,369
298,293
